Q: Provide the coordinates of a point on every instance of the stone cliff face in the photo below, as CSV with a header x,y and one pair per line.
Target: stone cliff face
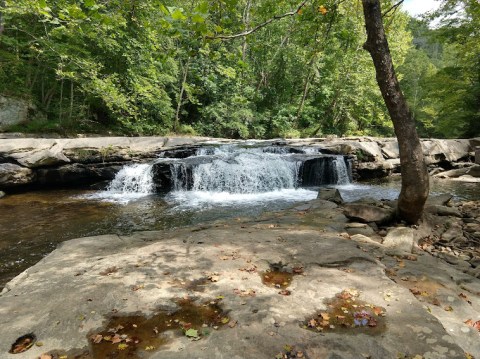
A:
x,y
50,162
13,111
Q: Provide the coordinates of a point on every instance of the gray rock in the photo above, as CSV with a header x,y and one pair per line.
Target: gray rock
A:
x,y
2,194
364,239
390,150
367,213
359,228
399,239
330,194
444,211
42,158
440,200
13,111
12,175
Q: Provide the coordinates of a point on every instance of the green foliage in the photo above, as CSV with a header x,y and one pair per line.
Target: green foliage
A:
x,y
151,67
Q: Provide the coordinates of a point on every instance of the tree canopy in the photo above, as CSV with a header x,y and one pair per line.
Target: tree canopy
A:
x,y
158,67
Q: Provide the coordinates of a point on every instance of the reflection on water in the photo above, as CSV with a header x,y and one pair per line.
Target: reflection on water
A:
x,y
32,224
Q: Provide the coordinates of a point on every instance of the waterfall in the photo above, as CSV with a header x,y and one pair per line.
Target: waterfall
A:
x,y
238,170
135,178
341,170
218,174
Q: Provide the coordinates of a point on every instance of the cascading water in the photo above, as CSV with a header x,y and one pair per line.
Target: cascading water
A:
x,y
232,174
235,170
131,182
135,178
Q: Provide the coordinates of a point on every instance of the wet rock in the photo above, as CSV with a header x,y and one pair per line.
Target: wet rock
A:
x,y
12,175
399,240
366,213
76,174
444,211
2,194
330,194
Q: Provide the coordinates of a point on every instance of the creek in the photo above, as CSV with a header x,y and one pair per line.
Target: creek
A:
x,y
211,184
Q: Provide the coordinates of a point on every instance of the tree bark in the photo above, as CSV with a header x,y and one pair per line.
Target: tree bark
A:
x,y
415,179
2,21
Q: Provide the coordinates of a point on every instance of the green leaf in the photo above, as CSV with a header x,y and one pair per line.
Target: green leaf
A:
x,y
178,15
192,333
42,3
89,3
198,19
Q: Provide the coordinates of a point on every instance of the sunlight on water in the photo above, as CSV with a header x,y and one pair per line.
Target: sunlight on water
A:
x,y
192,199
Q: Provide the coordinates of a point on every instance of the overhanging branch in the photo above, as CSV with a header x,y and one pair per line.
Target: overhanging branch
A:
x,y
258,27
393,8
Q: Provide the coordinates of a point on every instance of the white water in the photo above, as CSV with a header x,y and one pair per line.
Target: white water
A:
x,y
235,176
131,182
245,172
342,171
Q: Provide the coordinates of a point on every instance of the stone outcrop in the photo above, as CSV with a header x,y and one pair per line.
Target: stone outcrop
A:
x,y
372,157
13,111
12,175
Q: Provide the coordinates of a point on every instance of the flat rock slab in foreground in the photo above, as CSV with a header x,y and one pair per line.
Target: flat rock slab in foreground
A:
x,y
70,294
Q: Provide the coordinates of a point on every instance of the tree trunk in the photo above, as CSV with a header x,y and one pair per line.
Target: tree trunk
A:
x,y
2,21
176,125
415,179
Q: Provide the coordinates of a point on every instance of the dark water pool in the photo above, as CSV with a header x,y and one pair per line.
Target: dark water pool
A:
x,y
33,224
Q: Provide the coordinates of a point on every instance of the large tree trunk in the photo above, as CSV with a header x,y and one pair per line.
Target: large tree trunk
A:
x,y
415,180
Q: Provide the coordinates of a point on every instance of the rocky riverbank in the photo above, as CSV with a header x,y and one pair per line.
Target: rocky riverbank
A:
x,y
291,284
27,162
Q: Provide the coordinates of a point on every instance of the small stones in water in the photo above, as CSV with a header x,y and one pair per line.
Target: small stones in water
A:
x,y
346,313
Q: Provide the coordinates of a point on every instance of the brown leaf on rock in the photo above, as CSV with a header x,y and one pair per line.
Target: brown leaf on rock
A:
x,y
97,338
285,292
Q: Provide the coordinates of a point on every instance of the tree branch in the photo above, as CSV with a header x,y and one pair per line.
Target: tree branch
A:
x,y
393,7
258,27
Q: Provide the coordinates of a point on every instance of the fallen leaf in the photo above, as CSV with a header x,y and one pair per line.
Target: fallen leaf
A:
x,y
225,320
192,333
97,338
122,346
312,323
116,339
415,291
45,356
285,292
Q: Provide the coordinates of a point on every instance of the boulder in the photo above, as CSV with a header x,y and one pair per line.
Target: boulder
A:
x,y
330,194
42,158
445,150
440,200
359,228
12,175
390,150
399,239
472,171
366,213
13,111
2,194
443,211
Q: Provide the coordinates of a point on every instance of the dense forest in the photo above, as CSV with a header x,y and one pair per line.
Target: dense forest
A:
x,y
235,68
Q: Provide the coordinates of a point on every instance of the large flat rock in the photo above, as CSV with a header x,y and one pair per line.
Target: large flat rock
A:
x,y
71,293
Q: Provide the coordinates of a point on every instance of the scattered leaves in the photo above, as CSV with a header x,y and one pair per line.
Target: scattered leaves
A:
x,y
122,346
245,292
